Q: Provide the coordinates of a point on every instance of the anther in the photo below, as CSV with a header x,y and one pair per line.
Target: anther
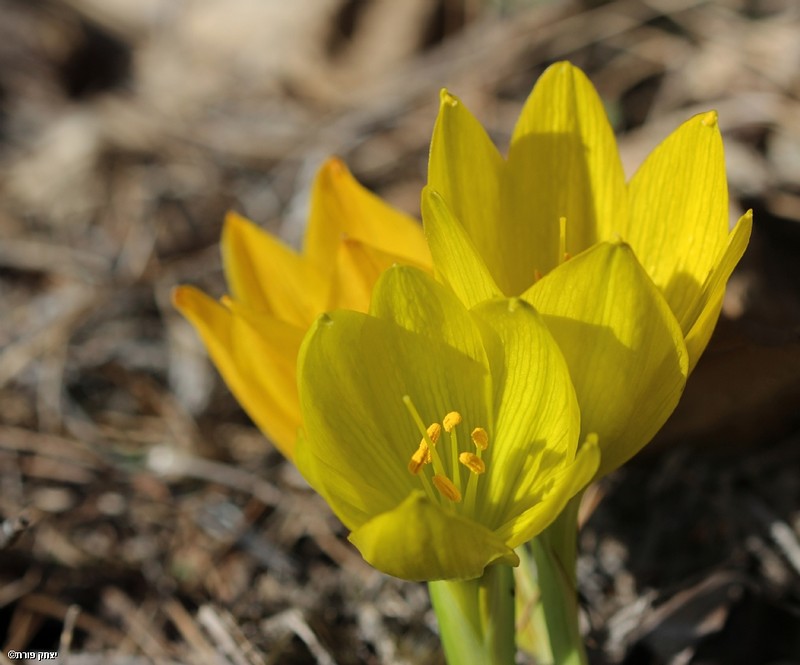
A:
x,y
472,462
480,438
434,432
451,420
420,458
446,488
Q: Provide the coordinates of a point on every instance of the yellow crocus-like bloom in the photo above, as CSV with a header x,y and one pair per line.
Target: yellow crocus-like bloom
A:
x,y
254,334
442,437
628,276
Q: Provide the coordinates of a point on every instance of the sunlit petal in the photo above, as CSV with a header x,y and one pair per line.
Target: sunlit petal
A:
x,y
624,348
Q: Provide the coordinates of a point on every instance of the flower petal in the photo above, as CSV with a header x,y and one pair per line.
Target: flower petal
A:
x,y
268,276
466,169
358,267
625,351
419,541
255,354
340,205
558,488
563,162
457,262
679,213
538,420
710,301
419,304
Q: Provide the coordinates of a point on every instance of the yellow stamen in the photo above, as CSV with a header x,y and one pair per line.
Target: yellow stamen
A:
x,y
480,438
420,458
446,488
451,420
562,239
434,432
437,463
472,462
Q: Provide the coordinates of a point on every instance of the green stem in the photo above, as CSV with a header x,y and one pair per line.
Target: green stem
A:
x,y
476,618
555,554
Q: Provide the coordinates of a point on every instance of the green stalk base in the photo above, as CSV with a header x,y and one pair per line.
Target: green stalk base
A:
x,y
476,618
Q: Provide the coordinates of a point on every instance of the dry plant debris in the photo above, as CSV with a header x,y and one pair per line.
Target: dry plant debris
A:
x,y
143,519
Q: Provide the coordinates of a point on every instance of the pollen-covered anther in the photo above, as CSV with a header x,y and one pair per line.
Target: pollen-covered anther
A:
x,y
472,462
447,488
434,432
420,458
480,438
451,420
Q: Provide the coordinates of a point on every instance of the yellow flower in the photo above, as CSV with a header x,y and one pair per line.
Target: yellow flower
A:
x,y
635,307
442,437
253,335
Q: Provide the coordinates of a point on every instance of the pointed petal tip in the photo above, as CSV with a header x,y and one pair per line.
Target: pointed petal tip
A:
x,y
616,240
332,173
614,245
430,194
235,229
234,220
334,167
180,296
744,225
517,304
446,98
562,66
709,118
186,298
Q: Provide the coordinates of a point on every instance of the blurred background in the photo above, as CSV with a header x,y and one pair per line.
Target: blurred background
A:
x,y
144,519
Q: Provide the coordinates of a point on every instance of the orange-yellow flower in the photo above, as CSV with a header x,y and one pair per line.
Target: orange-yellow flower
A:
x,y
253,335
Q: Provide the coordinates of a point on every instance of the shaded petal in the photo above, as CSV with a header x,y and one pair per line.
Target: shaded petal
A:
x,y
419,304
353,503
457,262
538,420
466,168
340,205
679,213
358,267
563,162
419,541
558,487
267,276
255,354
714,289
625,351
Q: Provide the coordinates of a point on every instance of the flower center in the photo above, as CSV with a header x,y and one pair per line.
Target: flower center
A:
x,y
447,485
